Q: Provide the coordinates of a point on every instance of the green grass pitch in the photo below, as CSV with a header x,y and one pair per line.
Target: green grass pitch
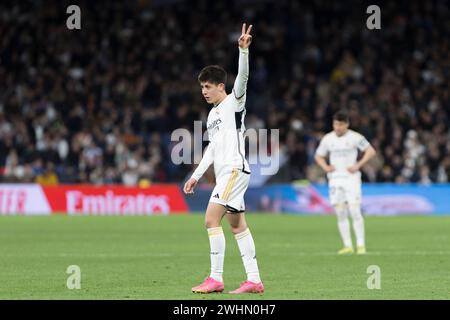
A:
x,y
162,257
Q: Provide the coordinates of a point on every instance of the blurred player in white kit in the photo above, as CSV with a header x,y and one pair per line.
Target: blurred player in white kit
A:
x,y
344,178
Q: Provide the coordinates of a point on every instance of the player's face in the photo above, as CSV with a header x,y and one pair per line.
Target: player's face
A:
x,y
340,127
212,92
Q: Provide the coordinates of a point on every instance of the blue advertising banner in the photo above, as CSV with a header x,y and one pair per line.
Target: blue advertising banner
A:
x,y
272,198
386,199
305,198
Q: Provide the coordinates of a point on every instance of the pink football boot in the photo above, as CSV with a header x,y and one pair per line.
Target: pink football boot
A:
x,y
208,286
249,287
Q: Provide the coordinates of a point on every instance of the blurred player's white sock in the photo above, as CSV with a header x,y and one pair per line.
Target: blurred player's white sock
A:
x,y
358,223
217,244
343,224
248,254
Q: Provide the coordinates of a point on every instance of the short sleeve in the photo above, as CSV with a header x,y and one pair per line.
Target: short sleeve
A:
x,y
361,142
322,150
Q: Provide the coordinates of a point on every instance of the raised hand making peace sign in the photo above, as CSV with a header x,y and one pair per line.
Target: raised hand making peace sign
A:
x,y
245,39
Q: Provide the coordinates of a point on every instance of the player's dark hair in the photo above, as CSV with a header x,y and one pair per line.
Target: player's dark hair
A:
x,y
342,116
213,74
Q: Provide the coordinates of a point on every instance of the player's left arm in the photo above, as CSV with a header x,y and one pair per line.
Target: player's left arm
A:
x,y
240,84
368,153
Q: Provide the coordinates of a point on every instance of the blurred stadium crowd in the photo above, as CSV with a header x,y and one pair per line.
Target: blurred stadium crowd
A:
x,y
98,105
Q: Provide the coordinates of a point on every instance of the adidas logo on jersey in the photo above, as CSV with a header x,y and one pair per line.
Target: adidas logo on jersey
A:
x,y
216,196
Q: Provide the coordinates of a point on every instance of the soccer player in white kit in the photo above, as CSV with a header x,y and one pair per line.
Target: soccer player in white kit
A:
x,y
226,151
344,177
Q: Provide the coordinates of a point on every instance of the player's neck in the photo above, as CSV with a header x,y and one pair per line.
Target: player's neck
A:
x,y
343,133
219,101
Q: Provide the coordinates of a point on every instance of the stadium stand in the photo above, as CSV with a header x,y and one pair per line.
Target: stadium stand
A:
x,y
98,105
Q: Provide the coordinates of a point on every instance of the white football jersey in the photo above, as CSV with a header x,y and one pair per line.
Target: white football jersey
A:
x,y
343,152
225,125
226,134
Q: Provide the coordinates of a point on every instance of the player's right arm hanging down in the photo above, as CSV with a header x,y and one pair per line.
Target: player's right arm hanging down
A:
x,y
204,164
240,84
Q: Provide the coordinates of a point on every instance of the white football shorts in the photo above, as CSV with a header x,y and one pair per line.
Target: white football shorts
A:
x,y
345,191
230,189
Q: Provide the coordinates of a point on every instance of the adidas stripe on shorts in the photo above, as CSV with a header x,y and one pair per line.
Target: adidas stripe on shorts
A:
x,y
230,189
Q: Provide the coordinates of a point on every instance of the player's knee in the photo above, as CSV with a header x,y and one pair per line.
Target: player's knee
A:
x,y
341,211
355,211
211,223
235,229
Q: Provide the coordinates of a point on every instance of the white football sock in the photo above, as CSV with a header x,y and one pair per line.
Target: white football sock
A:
x,y
358,223
248,254
343,224
217,244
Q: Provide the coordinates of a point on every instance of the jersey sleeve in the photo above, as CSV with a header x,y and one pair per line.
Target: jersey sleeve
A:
x,y
322,149
361,142
207,160
240,84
